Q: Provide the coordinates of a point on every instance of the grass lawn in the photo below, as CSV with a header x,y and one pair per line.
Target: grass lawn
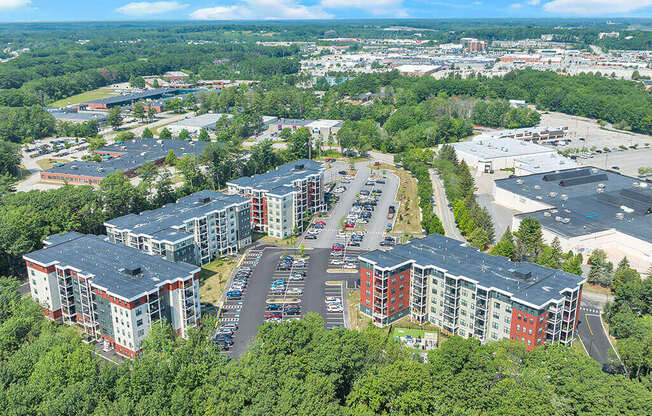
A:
x,y
408,217
213,278
84,96
358,321
407,323
47,163
588,287
286,242
577,346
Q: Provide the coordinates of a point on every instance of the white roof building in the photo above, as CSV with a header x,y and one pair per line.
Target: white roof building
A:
x,y
488,155
195,124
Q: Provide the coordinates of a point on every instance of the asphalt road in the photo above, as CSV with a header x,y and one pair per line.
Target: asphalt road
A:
x,y
251,310
442,210
592,334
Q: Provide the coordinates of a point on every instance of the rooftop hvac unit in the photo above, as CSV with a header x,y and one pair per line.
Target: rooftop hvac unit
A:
x,y
539,197
600,190
553,194
565,220
594,170
602,185
546,214
519,181
620,216
636,184
554,211
537,187
558,218
643,184
627,209
564,197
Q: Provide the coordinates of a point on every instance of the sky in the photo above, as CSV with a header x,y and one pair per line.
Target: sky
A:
x,y
113,10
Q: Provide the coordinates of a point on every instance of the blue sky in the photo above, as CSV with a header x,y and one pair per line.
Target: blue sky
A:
x,y
91,10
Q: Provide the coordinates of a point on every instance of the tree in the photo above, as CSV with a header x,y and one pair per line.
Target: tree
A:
x,y
114,118
624,274
479,238
165,134
529,239
148,171
124,136
10,158
151,112
505,246
184,134
203,136
147,133
139,110
601,271
119,197
573,264
298,143
171,158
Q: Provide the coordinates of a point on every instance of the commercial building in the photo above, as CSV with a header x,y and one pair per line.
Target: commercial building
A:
x,y
195,229
473,45
586,209
72,116
126,157
283,198
469,293
319,128
418,70
488,155
129,99
114,292
528,165
196,124
535,134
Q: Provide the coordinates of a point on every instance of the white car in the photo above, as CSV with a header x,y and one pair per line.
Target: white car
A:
x,y
332,299
337,262
335,309
295,291
350,266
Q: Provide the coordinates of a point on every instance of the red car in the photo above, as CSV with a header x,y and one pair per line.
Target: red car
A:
x,y
273,315
320,222
337,248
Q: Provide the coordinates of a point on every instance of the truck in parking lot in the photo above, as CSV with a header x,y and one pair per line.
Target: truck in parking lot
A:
x,y
390,212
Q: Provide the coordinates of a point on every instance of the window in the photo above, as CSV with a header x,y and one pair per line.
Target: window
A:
x,y
531,320
141,332
507,330
463,322
507,320
464,292
464,303
393,290
392,309
400,296
496,305
139,322
518,327
368,274
139,312
402,277
520,317
434,291
529,331
366,301
392,300
529,342
496,315
495,325
401,287
368,283
494,335
394,280
367,292
463,312
433,310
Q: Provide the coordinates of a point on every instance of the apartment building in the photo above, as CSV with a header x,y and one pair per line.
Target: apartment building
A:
x,y
114,292
195,229
469,293
283,198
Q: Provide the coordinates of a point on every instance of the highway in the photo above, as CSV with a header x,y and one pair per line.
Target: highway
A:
x,y
442,210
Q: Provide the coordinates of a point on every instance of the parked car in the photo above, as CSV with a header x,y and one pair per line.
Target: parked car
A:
x,y
274,306
273,315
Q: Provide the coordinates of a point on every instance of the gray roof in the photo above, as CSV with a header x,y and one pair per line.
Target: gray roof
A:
x,y
135,153
159,223
106,262
587,200
526,282
492,148
66,115
129,98
283,175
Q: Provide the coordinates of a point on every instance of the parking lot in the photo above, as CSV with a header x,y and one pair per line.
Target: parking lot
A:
x,y
359,219
263,289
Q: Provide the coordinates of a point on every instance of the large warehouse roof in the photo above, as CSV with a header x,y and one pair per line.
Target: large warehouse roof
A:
x,y
587,200
499,148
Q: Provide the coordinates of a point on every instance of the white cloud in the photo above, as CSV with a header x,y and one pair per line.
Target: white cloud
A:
x,y
376,7
13,4
516,5
595,7
261,9
533,2
144,8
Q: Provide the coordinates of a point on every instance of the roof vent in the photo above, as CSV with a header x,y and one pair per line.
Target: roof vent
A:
x,y
298,167
131,271
204,200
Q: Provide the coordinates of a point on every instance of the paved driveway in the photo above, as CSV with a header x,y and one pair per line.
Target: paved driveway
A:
x,y
442,210
592,334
